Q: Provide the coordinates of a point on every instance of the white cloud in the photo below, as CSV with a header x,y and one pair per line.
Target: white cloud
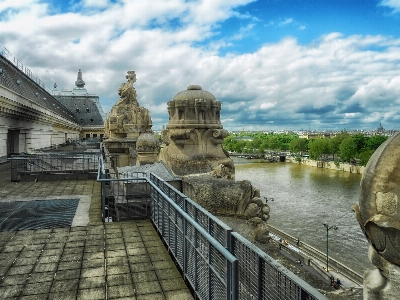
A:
x,y
393,4
329,83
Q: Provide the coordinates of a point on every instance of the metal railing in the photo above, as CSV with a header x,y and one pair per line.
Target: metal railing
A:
x,y
7,54
53,163
216,262
261,277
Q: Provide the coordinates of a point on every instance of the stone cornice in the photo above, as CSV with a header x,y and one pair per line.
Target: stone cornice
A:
x,y
15,106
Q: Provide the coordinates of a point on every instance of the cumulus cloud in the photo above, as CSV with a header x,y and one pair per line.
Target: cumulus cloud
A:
x,y
393,4
335,82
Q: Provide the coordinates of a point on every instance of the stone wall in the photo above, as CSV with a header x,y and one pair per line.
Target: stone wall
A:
x,y
329,165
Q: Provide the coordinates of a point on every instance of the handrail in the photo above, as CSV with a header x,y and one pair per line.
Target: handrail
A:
x,y
7,54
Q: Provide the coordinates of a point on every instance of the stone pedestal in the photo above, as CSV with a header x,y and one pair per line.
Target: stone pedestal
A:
x,y
123,152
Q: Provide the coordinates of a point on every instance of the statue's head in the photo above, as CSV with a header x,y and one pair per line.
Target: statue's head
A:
x,y
131,76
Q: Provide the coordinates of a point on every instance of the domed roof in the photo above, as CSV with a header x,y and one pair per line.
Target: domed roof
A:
x,y
147,140
194,92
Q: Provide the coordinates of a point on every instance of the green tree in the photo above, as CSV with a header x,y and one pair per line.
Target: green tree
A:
x,y
347,149
319,148
375,141
364,156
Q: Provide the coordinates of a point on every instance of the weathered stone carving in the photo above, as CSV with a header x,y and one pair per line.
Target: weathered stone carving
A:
x,y
128,134
194,135
378,213
127,119
238,199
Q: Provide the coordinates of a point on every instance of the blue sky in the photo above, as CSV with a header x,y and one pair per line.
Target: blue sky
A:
x,y
274,64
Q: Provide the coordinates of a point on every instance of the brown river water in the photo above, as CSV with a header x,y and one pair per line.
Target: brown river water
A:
x,y
306,197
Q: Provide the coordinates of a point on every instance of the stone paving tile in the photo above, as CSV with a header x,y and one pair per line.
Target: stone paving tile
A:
x,y
93,263
92,294
64,285
51,267
41,277
65,295
11,291
179,295
15,270
90,248
14,280
149,287
68,274
137,259
157,296
93,255
93,272
144,276
34,297
119,260
141,267
173,284
118,269
23,261
68,265
92,282
168,274
136,251
160,265
118,279
36,288
115,253
118,291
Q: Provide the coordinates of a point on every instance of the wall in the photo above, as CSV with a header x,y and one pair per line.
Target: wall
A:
x,y
329,165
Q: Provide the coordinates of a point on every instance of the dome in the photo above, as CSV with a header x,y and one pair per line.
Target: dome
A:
x,y
194,92
147,140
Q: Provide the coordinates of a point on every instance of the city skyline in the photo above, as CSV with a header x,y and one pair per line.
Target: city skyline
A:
x,y
274,64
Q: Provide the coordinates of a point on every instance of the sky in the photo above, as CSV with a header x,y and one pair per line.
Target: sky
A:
x,y
273,64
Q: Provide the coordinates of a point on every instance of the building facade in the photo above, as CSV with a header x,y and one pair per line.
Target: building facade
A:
x,y
33,117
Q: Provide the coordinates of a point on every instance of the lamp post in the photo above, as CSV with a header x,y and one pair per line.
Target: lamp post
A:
x,y
327,230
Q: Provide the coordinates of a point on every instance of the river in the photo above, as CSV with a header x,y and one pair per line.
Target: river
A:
x,y
306,197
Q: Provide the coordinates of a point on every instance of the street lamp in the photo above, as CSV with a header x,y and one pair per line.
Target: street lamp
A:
x,y
327,230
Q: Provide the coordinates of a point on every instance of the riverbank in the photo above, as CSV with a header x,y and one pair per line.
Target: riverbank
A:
x,y
344,167
288,260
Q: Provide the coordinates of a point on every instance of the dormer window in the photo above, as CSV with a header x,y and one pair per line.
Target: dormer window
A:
x,y
91,120
77,110
88,110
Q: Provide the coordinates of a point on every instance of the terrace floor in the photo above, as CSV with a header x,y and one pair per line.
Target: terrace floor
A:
x,y
85,259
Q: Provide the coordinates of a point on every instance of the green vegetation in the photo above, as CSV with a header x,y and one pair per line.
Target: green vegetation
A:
x,y
343,147
258,142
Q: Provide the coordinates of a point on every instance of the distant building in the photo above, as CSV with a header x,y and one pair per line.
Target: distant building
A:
x,y
85,108
34,117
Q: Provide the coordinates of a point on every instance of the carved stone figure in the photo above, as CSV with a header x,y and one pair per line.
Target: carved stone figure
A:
x,y
194,135
225,197
124,127
127,119
378,213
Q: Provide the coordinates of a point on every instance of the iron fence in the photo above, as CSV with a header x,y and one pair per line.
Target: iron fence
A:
x,y
216,262
53,163
261,277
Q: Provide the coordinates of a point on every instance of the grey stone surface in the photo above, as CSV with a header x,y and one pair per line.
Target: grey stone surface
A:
x,y
73,262
378,212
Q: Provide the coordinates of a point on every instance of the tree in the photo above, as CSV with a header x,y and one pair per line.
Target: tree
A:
x,y
375,141
364,156
318,148
347,149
